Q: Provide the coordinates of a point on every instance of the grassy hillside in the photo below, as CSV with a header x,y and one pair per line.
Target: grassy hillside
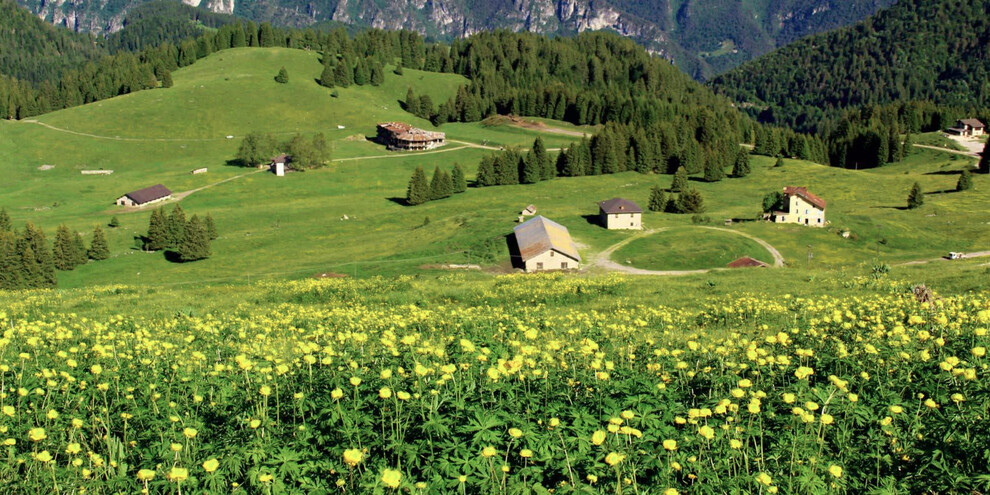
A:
x,y
293,227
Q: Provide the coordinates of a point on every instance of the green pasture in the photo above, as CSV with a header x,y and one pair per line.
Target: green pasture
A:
x,y
294,226
689,249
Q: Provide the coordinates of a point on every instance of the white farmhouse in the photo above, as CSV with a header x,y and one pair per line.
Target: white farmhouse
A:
x,y
545,245
803,208
618,213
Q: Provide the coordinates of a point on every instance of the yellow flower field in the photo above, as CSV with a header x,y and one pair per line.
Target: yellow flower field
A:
x,y
499,392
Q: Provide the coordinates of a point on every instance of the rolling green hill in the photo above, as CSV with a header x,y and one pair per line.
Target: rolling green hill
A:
x,y
293,226
934,50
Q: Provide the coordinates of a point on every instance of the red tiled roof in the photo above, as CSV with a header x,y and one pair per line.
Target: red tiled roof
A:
x,y
802,192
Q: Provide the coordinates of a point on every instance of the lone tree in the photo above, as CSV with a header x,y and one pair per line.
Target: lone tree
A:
x,y
740,168
283,76
965,182
114,223
916,197
419,190
690,201
779,163
658,200
195,241
714,171
457,177
157,237
98,247
211,227
441,186
680,180
985,159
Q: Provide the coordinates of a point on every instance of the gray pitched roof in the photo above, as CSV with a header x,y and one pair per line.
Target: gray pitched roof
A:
x,y
972,122
540,234
619,205
149,194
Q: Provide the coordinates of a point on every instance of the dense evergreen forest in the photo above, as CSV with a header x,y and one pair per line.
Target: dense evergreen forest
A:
x,y
925,50
34,51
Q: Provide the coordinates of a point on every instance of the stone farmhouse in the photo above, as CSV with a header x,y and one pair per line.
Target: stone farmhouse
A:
x,y
803,208
399,136
146,196
545,245
618,213
967,128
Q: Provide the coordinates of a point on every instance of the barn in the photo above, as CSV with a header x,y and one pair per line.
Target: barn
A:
x,y
545,245
146,196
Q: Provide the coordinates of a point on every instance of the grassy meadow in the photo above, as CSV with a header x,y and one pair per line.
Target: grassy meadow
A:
x,y
293,226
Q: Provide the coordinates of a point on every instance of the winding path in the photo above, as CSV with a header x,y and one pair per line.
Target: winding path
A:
x,y
604,258
947,150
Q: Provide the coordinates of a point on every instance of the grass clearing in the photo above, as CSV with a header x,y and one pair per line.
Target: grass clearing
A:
x,y
689,249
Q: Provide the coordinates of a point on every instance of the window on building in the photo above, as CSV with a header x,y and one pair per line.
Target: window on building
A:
x,y
563,265
551,254
539,266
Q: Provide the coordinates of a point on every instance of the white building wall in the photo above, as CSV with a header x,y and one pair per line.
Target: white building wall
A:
x,y
801,212
617,221
551,260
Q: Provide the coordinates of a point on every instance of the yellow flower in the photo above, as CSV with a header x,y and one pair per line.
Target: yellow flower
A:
x,y
8,410
489,451
764,478
52,414
735,443
255,423
525,453
896,409
789,398
265,478
355,381
930,403
835,470
598,437
670,444
211,465
391,478
178,474
745,383
73,448
336,394
670,491
592,479
827,419
803,372
43,457
353,457
979,351
853,397
146,475
515,432
957,398
96,369
37,434
385,393
265,391
628,414
554,422
189,433
614,458
707,432
176,447
402,395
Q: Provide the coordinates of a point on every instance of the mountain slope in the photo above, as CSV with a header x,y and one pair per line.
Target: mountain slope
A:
x,y
916,50
33,51
703,37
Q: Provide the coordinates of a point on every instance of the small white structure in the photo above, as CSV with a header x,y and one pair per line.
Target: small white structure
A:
x,y
280,164
967,128
545,245
529,211
803,208
97,172
618,213
199,171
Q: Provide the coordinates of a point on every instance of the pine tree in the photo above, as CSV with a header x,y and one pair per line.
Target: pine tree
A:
x,y
985,159
419,190
79,249
360,73
531,172
779,163
98,247
64,249
211,228
426,107
965,182
167,79
283,76
175,228
342,75
542,159
114,223
5,225
157,231
412,102
10,261
680,180
398,69
195,241
458,179
690,201
916,197
38,256
486,172
658,200
741,168
713,171
326,77
439,186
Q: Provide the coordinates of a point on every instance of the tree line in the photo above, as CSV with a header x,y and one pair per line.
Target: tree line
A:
x,y
258,149
182,240
443,185
27,261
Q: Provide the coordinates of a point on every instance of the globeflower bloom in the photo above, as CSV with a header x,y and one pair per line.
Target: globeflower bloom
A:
x,y
614,458
670,444
178,474
211,465
37,434
353,457
835,470
598,437
391,478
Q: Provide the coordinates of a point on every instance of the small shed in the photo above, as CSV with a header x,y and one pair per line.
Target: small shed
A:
x,y
545,245
199,171
280,165
529,211
146,196
618,213
747,262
